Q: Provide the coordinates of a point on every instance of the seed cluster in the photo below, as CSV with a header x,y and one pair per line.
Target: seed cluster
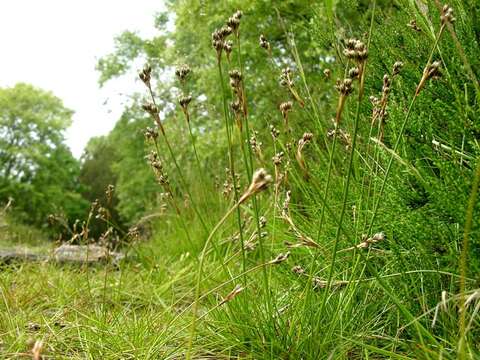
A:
x,y
146,74
150,134
255,145
158,170
446,17
355,50
344,87
431,71
264,43
219,36
182,72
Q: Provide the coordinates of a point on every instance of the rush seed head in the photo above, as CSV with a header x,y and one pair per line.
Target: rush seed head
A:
x,y
285,79
274,132
297,269
355,50
386,84
235,75
327,73
344,87
280,258
150,134
431,71
446,15
260,181
232,294
353,73
228,47
372,240
145,74
236,106
413,25
264,42
150,108
184,100
397,67
285,107
278,158
182,72
234,21
225,31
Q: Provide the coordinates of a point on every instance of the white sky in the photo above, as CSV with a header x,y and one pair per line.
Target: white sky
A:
x,y
55,44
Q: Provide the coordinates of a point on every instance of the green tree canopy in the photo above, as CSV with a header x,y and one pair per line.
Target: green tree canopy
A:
x,y
36,168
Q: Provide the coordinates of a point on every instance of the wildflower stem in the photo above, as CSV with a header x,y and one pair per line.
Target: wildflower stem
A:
x,y
199,276
192,139
400,135
172,155
232,163
463,259
249,167
349,172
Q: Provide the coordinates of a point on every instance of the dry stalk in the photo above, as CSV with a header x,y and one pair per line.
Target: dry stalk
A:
x,y
306,138
304,240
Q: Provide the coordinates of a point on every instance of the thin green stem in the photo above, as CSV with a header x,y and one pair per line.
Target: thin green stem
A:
x,y
199,277
249,167
399,139
180,173
463,259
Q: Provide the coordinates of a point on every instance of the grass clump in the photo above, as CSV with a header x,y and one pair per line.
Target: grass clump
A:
x,y
364,245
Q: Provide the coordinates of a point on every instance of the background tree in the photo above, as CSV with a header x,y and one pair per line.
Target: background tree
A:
x,y
36,168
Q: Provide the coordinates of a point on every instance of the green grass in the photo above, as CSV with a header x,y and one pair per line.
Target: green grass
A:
x,y
398,298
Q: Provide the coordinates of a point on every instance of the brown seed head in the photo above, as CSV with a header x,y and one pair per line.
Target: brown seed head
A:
x,y
274,132
344,87
355,50
285,107
447,15
262,221
228,47
307,137
184,100
234,21
280,258
145,74
327,73
386,84
150,134
397,67
353,73
218,41
235,74
285,79
237,290
433,70
374,100
236,106
278,158
264,42
413,25
238,14
182,72
260,181
150,108
225,31
297,269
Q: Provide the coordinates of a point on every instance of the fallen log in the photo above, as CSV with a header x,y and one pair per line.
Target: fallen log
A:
x,y
76,254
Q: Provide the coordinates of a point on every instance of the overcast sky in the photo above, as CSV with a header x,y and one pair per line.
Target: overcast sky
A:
x,y
54,45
